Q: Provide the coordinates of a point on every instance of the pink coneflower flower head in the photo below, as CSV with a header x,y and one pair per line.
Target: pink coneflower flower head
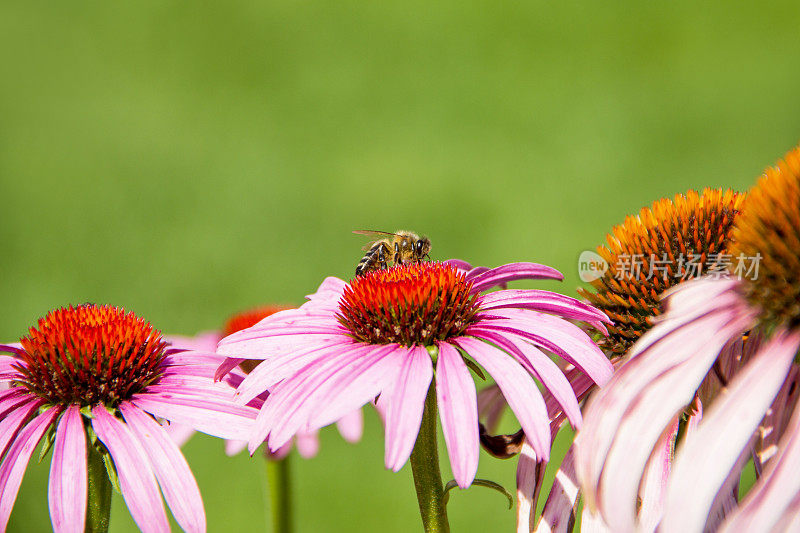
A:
x,y
720,369
99,371
351,426
382,334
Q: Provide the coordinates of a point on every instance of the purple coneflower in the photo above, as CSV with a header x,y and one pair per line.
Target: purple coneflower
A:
x,y
91,379
381,335
719,367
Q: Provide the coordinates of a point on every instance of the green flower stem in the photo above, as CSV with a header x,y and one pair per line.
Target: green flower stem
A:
x,y
425,466
98,508
280,494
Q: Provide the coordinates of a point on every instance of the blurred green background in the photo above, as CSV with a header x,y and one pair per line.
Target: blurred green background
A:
x,y
187,160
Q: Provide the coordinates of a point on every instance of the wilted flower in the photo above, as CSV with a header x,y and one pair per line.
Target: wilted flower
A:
x,y
726,348
661,246
100,371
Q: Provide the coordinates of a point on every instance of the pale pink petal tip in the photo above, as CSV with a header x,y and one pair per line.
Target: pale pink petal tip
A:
x,y
351,426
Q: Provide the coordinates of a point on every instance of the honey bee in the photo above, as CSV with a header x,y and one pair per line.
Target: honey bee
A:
x,y
399,247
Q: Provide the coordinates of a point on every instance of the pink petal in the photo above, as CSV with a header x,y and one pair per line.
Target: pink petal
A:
x,y
675,345
307,444
11,423
458,410
277,368
12,399
234,447
543,368
172,472
15,462
363,382
179,433
226,366
511,272
139,488
654,482
723,433
67,492
215,417
274,345
561,506
351,425
519,390
592,523
202,342
405,401
530,474
559,336
304,401
491,405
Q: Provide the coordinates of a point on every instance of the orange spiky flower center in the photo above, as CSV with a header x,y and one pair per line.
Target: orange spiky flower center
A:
x,y
671,241
409,304
244,320
90,354
769,229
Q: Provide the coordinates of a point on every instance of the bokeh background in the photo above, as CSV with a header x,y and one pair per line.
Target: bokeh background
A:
x,y
187,160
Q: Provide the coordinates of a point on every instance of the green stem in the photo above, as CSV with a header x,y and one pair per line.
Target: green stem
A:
x,y
280,494
98,508
425,466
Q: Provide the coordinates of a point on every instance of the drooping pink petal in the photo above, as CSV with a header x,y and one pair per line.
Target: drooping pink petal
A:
x,y
511,272
351,425
15,462
641,428
561,337
274,345
307,444
543,368
727,498
491,405
136,479
12,399
224,419
544,301
313,397
559,513
723,433
226,366
654,482
580,352
674,346
172,472
273,370
13,422
458,410
297,404
592,522
67,490
179,433
12,347
234,447
775,423
519,390
405,401
530,473
363,381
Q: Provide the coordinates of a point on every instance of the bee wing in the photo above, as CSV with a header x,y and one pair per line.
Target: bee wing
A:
x,y
377,235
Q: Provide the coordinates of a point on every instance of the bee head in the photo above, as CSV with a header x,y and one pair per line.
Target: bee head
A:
x,y
422,247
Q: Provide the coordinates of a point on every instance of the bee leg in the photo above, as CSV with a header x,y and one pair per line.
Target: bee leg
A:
x,y
382,255
398,259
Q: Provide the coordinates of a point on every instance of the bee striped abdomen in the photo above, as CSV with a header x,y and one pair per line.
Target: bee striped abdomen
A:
x,y
374,256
